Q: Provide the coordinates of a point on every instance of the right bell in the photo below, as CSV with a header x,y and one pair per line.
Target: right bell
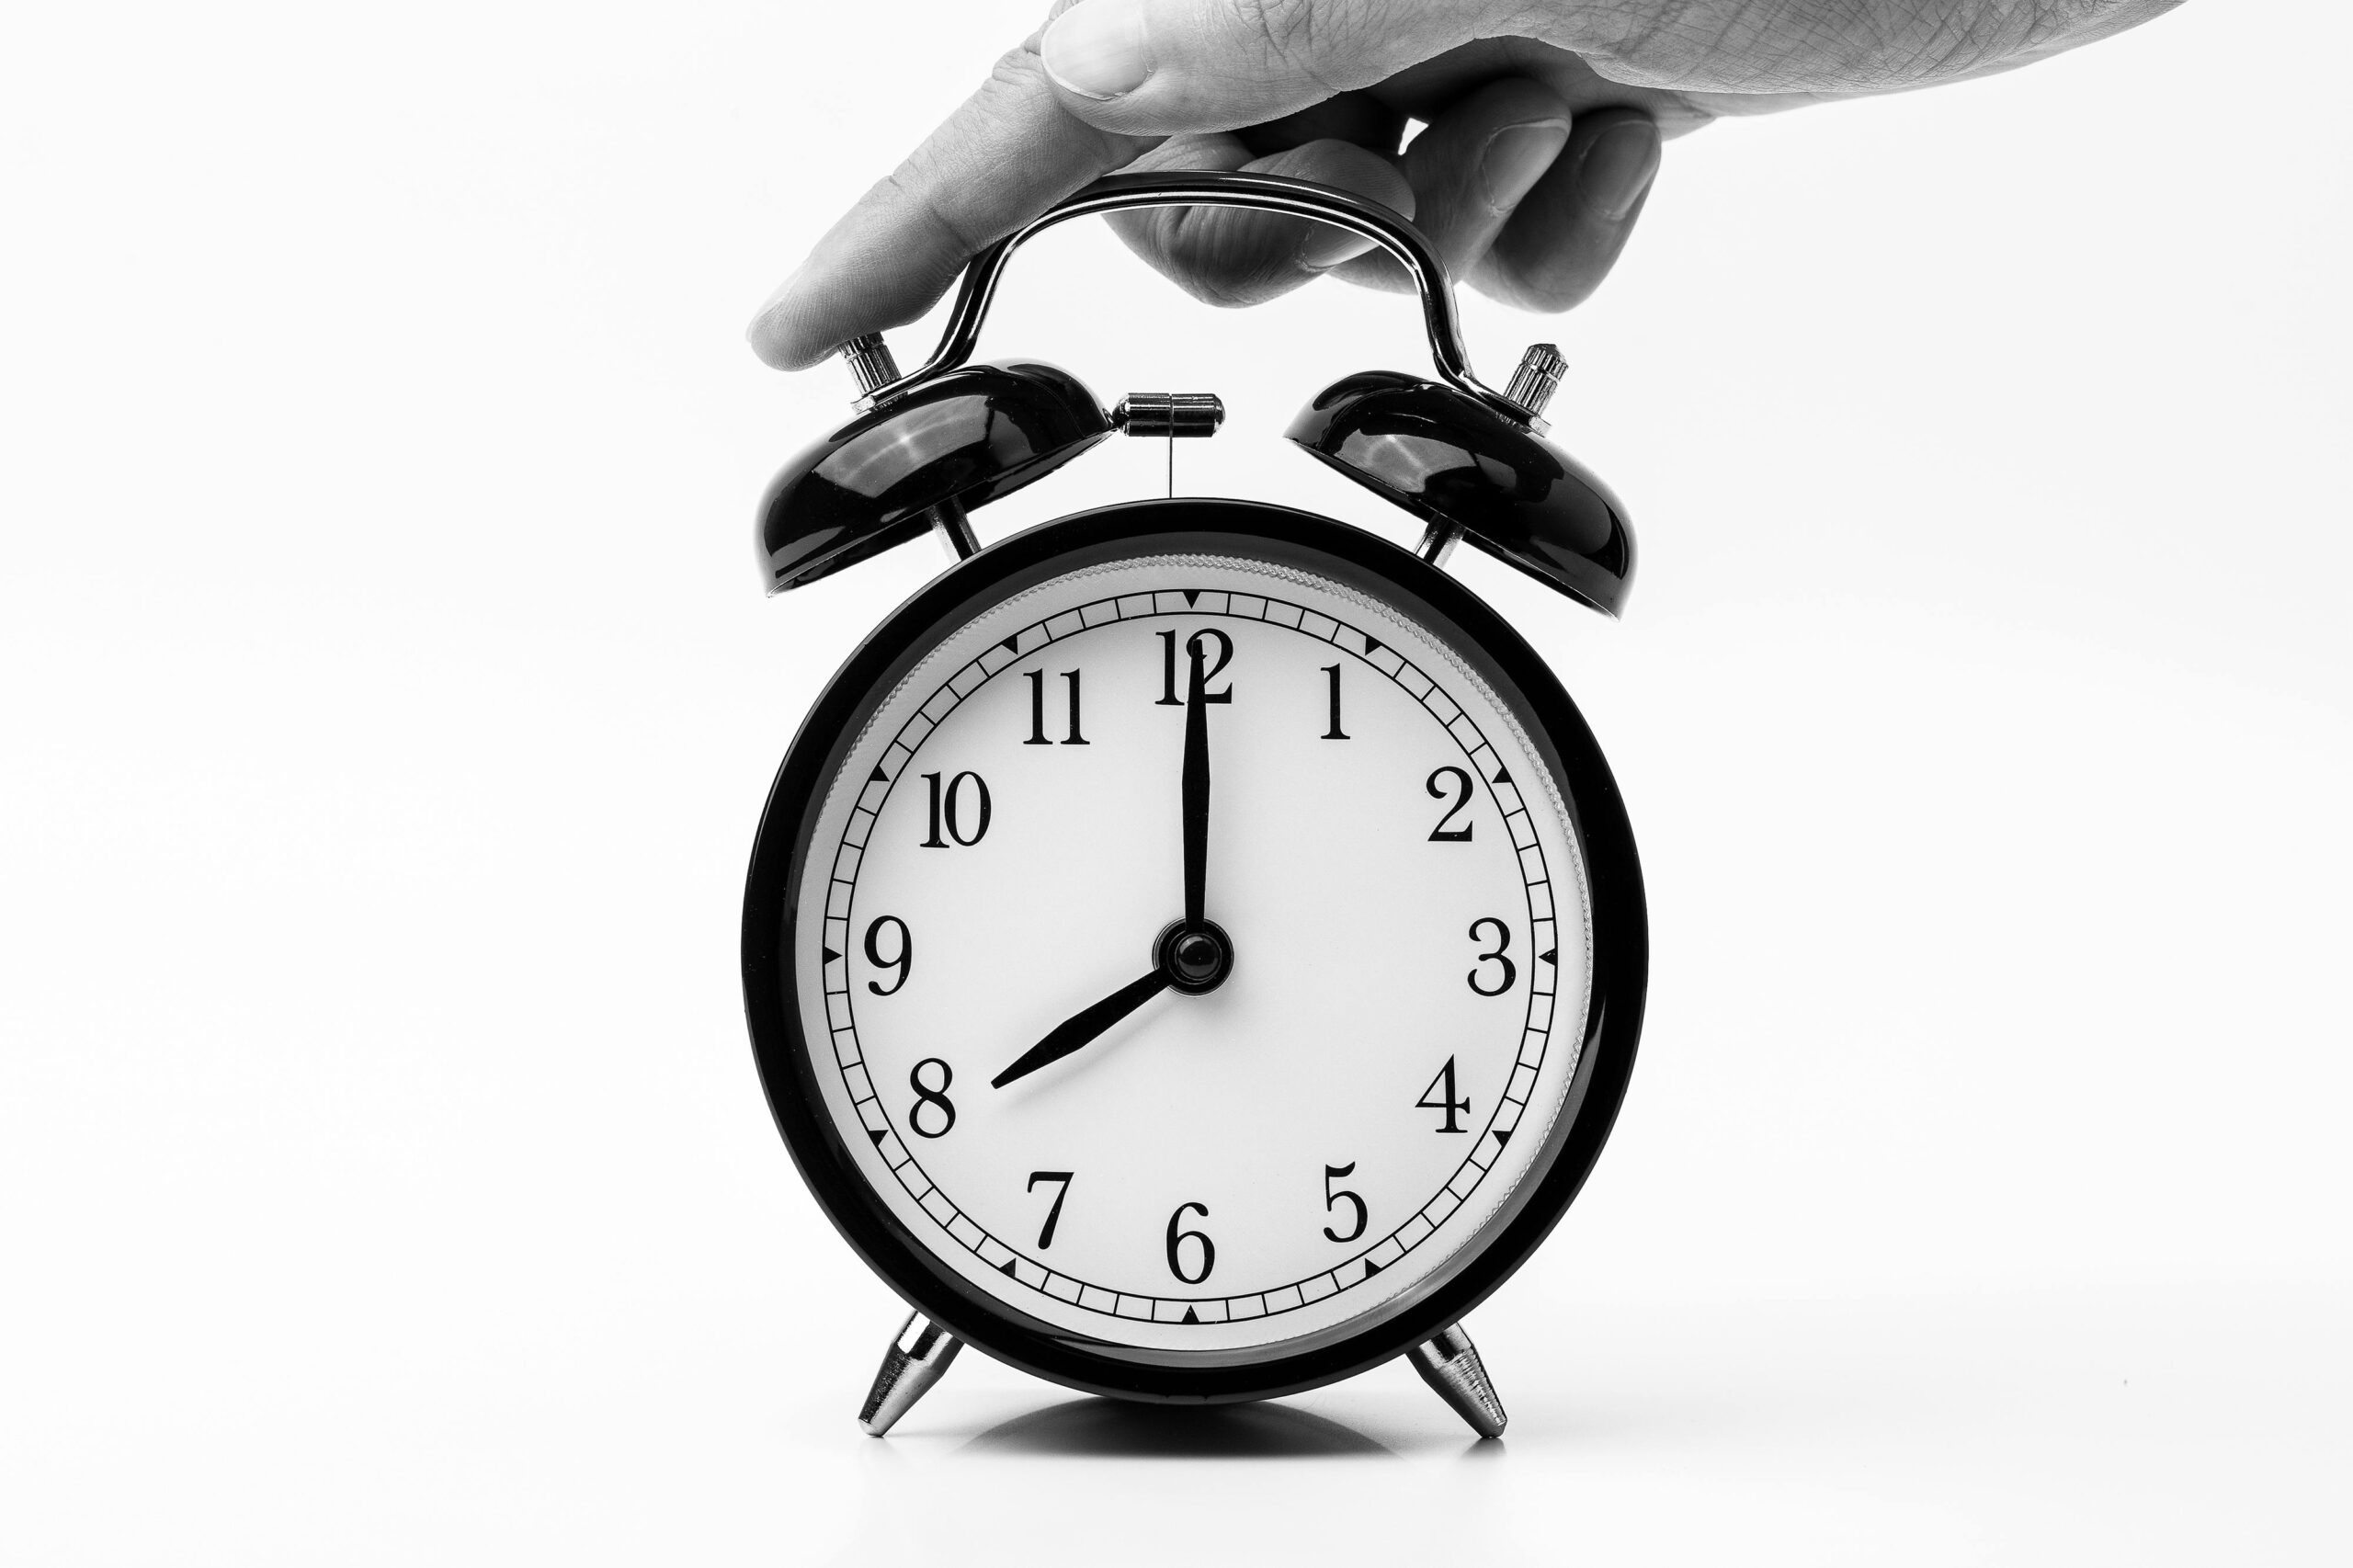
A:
x,y
1458,464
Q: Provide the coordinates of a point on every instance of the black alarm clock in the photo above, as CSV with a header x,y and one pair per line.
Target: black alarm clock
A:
x,y
1194,950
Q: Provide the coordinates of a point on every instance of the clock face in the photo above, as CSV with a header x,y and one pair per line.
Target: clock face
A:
x,y
1334,1126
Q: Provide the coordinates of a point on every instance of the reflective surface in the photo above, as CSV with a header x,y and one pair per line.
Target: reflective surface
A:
x,y
1445,457
969,436
1263,193
1120,1429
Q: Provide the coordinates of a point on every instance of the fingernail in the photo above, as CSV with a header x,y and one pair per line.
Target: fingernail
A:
x,y
1516,158
1618,167
1096,48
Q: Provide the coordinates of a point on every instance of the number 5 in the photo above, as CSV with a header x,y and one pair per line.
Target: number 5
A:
x,y
1331,1197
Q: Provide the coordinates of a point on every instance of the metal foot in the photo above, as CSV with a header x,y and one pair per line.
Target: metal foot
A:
x,y
914,1361
1450,1364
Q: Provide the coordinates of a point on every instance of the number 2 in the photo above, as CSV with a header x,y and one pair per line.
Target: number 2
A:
x,y
1442,833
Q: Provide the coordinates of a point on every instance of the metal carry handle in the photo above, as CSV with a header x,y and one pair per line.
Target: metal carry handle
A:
x,y
1265,193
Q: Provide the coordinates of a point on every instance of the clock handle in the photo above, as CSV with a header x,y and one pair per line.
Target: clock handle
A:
x,y
1263,193
918,1355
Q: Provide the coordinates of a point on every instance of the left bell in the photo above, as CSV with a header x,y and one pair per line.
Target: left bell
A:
x,y
959,440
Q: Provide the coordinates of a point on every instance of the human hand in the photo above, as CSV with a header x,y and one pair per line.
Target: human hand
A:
x,y
1542,126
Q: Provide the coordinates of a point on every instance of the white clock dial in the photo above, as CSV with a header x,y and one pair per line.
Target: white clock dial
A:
x,y
1410,928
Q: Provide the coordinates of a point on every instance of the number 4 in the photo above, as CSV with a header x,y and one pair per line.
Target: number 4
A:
x,y
1443,1087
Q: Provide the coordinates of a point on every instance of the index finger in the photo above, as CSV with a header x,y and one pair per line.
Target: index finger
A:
x,y
1007,154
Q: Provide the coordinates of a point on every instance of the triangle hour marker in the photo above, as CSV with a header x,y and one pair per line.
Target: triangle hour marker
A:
x,y
1012,644
1372,645
1502,776
1191,595
1550,955
1503,1135
1189,1316
1370,1268
878,1134
877,776
1006,1268
830,954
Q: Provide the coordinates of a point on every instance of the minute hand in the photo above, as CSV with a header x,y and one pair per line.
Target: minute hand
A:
x,y
1196,792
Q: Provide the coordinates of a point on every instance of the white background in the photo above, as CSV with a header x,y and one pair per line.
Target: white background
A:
x,y
387,698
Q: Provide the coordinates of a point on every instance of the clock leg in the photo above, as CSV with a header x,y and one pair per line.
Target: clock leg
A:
x,y
1450,1364
916,1357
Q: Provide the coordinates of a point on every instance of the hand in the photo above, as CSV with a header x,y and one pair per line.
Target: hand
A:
x,y
1081,1029
1193,955
1543,119
1196,792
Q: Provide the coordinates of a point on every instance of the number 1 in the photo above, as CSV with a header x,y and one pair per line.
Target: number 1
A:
x,y
1334,733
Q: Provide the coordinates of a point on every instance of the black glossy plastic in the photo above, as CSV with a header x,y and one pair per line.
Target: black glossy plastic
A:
x,y
1448,458
969,436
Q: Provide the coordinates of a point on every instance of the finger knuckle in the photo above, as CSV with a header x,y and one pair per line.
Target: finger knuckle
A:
x,y
1222,264
1292,36
1835,45
954,183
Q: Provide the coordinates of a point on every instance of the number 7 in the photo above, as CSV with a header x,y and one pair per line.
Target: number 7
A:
x,y
1053,1215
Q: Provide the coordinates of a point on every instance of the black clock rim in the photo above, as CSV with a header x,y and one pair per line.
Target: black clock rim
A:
x,y
1620,951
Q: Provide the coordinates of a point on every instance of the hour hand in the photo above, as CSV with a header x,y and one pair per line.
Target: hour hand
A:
x,y
1078,1029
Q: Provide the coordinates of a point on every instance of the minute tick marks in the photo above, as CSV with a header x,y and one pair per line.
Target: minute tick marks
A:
x,y
1316,835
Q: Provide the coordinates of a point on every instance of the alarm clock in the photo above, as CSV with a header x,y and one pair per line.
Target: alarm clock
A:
x,y
1194,950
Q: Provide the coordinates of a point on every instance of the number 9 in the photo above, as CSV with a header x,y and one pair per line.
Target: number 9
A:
x,y
904,960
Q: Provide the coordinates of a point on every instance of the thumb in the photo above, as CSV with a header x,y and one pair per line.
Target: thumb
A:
x,y
1161,67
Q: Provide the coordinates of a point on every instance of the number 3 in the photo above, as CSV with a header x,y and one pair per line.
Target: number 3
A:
x,y
1503,941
